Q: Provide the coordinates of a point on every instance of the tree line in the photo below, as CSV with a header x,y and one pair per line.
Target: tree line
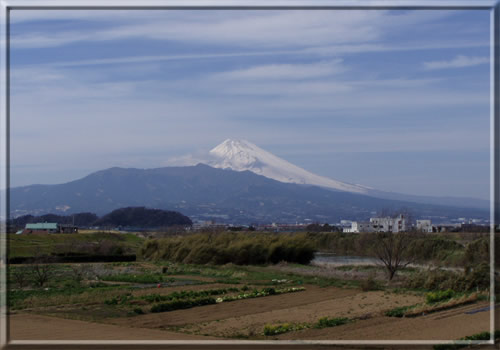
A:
x,y
140,217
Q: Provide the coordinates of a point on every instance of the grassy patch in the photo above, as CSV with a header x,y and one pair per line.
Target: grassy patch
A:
x,y
323,322
154,298
257,294
445,305
49,244
470,338
138,278
284,328
182,304
435,306
22,299
399,311
256,275
434,297
228,247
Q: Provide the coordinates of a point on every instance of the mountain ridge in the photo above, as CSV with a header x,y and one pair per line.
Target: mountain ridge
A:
x,y
242,155
239,155
203,193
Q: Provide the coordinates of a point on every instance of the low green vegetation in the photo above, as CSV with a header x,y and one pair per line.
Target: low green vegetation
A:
x,y
435,301
186,300
440,295
72,244
155,298
256,294
331,322
284,328
399,311
138,278
477,278
448,249
230,247
323,322
469,339
182,304
273,274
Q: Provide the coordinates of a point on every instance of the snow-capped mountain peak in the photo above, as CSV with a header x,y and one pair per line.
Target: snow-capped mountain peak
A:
x,y
241,155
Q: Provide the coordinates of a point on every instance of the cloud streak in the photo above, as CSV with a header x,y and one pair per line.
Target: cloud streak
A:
x,y
458,62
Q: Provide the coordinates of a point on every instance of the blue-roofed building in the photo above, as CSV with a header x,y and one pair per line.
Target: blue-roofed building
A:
x,y
49,227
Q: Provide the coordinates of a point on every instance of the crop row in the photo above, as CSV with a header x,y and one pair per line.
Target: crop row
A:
x,y
291,327
445,302
256,294
177,304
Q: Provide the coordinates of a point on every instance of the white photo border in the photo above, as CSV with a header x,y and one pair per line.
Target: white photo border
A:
x,y
7,5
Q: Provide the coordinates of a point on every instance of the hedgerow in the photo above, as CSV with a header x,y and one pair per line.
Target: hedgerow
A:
x,y
241,248
178,304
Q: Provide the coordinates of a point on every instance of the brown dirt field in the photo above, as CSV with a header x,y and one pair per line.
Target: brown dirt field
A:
x,y
234,309
248,317
37,327
446,325
339,304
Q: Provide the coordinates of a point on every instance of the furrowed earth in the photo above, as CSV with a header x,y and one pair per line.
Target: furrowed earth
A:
x,y
120,309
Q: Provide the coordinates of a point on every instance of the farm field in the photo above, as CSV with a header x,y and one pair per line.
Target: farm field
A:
x,y
442,326
144,300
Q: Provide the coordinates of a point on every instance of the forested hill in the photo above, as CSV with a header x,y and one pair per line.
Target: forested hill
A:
x,y
131,216
143,217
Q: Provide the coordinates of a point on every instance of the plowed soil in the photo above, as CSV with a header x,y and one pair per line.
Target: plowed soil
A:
x,y
246,319
446,325
37,327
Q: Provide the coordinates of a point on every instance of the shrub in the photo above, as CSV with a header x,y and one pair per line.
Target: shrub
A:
x,y
369,284
269,291
138,311
231,247
434,297
478,336
283,328
475,279
331,322
138,278
182,304
399,311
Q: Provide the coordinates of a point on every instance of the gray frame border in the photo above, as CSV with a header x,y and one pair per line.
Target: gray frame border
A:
x,y
7,5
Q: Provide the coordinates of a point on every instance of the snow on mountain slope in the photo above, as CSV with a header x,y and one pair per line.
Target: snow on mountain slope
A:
x,y
241,155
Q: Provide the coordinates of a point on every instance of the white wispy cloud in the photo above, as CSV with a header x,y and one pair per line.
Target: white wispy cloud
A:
x,y
275,29
285,71
459,61
251,29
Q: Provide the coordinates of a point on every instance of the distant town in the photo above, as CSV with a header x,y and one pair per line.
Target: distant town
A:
x,y
395,224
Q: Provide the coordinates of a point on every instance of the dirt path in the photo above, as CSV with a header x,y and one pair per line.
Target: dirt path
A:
x,y
447,325
36,327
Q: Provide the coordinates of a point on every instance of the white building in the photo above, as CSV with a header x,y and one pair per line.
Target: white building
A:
x,y
357,227
386,224
424,225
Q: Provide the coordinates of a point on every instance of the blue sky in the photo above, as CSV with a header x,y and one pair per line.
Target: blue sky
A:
x,y
395,100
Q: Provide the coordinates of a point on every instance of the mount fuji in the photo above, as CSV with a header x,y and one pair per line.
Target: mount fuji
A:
x,y
236,182
242,155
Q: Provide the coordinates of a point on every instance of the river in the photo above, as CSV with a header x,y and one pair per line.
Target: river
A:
x,y
330,259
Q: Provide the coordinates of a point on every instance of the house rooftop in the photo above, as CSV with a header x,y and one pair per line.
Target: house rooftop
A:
x,y
42,226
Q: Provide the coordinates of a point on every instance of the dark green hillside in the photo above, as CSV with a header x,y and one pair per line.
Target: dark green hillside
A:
x,y
203,192
143,217
80,219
